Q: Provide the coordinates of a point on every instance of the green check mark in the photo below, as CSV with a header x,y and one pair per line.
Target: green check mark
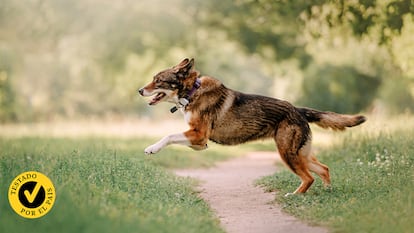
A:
x,y
31,196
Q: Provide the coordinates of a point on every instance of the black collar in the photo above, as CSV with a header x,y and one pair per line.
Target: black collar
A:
x,y
182,102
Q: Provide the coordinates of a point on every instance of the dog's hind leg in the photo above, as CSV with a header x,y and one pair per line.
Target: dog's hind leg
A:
x,y
287,140
319,168
306,177
313,164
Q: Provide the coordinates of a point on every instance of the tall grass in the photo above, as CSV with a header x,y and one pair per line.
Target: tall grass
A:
x,y
102,185
372,185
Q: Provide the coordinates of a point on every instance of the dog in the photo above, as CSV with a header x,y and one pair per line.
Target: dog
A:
x,y
222,115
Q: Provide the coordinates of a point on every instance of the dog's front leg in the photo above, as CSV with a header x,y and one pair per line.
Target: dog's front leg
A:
x,y
178,138
192,138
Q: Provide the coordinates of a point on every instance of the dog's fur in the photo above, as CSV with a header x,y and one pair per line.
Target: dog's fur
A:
x,y
229,117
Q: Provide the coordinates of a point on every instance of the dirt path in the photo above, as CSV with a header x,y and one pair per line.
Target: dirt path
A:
x,y
242,207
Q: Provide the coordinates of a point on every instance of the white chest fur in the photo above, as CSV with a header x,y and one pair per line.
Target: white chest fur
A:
x,y
187,116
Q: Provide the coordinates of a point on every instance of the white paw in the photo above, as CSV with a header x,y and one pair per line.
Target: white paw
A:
x,y
289,194
153,149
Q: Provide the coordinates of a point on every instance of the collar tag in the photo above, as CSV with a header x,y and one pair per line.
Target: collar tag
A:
x,y
173,109
183,102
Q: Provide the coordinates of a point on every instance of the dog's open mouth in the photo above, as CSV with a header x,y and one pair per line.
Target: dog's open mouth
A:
x,y
158,97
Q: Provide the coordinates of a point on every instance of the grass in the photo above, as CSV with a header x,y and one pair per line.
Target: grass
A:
x,y
107,185
373,185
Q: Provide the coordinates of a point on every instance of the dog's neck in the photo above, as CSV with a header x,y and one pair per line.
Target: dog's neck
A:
x,y
183,102
196,85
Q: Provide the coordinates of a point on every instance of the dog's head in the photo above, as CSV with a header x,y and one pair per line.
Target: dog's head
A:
x,y
171,84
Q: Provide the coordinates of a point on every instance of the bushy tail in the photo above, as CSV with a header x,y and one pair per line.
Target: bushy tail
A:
x,y
331,120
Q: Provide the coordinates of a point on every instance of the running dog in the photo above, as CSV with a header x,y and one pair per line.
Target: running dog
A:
x,y
217,113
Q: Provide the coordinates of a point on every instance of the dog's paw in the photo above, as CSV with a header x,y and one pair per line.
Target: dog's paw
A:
x,y
289,194
153,149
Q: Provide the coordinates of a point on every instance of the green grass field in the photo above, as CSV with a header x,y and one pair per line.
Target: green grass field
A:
x,y
372,185
107,185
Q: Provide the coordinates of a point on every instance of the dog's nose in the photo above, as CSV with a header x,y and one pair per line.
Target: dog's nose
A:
x,y
141,91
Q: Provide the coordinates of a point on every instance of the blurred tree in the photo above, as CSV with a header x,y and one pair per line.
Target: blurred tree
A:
x,y
341,89
7,94
382,29
7,98
261,25
290,30
396,95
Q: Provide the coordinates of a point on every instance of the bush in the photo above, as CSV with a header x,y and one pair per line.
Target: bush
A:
x,y
7,94
338,88
395,94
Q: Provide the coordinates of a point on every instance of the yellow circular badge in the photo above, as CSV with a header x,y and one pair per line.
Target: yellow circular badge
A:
x,y
31,194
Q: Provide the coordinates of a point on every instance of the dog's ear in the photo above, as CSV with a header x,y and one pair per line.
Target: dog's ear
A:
x,y
184,68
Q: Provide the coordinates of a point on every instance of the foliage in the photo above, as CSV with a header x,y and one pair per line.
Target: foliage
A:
x,y
371,186
396,95
340,89
261,25
303,30
382,18
7,95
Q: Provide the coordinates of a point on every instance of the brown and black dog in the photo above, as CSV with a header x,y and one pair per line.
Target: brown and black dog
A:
x,y
229,117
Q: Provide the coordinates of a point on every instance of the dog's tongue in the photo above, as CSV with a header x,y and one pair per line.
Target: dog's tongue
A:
x,y
157,98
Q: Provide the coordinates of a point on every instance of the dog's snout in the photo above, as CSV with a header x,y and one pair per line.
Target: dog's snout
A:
x,y
141,91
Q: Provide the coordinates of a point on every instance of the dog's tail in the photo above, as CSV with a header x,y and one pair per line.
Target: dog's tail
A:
x,y
331,120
